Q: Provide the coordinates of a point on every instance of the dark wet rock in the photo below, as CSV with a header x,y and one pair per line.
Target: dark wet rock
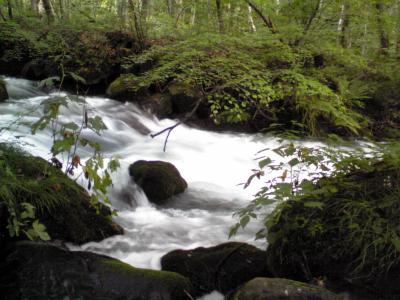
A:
x,y
281,289
3,91
31,270
159,180
223,267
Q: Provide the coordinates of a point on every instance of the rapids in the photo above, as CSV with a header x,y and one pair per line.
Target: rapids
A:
x,y
213,164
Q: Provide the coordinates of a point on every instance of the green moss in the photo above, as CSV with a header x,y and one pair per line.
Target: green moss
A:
x,y
61,204
116,265
159,180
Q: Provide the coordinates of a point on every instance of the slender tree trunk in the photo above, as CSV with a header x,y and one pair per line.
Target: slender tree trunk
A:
x,y
49,10
170,7
220,16
253,27
383,36
309,22
62,9
266,19
343,26
2,16
122,11
193,15
10,9
35,5
144,14
278,7
397,46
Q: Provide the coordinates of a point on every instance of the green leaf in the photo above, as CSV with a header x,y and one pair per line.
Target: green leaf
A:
x,y
71,126
396,241
284,189
264,162
29,212
77,78
294,162
314,204
244,221
233,230
96,124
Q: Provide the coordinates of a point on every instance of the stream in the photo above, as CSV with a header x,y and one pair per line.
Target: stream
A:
x,y
213,164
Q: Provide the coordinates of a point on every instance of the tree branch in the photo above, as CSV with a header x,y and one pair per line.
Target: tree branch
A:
x,y
170,128
266,19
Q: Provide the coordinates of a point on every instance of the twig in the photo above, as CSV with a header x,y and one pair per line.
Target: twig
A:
x,y
170,128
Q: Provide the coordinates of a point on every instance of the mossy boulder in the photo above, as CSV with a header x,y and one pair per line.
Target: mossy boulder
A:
x,y
61,204
159,180
31,270
183,97
16,49
281,289
222,268
126,87
3,91
352,238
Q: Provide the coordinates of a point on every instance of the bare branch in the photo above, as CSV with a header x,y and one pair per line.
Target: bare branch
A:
x,y
266,19
170,128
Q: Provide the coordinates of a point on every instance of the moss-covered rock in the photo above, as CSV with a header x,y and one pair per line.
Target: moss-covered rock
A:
x,y
159,180
223,267
353,238
43,271
126,87
280,289
3,91
183,97
61,204
16,49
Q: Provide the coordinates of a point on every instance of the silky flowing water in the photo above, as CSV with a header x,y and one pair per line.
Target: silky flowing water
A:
x,y
213,164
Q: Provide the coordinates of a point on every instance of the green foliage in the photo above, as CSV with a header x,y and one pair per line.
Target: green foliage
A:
x,y
23,197
251,79
67,137
334,207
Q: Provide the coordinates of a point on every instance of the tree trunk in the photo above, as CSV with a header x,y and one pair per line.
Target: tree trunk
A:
x,y
383,37
251,20
62,9
343,26
49,10
35,5
220,16
10,9
267,20
2,16
310,21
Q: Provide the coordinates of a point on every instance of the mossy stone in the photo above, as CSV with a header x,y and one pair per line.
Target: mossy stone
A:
x,y
223,267
159,180
280,289
61,204
33,270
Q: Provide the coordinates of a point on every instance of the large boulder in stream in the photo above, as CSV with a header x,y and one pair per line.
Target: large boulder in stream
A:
x,y
31,270
222,268
159,180
281,289
62,205
3,91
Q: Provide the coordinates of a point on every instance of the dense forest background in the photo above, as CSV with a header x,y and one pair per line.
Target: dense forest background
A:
x,y
331,63
325,70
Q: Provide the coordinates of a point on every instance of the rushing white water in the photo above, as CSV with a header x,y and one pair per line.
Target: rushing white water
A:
x,y
212,163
